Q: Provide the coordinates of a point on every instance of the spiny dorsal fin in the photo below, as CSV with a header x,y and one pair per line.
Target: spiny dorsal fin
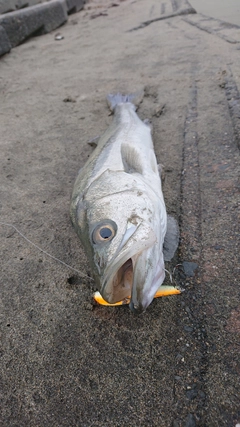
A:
x,y
171,238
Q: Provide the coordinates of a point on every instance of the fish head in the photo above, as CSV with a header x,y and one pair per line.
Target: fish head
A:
x,y
123,233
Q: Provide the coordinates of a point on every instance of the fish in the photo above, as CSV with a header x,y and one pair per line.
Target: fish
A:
x,y
118,210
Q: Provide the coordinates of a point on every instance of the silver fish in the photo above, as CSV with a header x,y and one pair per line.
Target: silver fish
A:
x,y
119,213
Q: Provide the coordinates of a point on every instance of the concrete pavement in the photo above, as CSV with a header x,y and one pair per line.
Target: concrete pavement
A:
x,y
65,361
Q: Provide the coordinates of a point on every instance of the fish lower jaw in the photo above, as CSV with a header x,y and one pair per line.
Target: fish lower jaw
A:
x,y
120,285
147,294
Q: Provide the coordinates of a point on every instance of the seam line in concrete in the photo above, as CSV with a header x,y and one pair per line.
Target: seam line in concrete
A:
x,y
191,248
233,99
180,7
217,31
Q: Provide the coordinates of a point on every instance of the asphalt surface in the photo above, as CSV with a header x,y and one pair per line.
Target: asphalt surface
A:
x,y
64,360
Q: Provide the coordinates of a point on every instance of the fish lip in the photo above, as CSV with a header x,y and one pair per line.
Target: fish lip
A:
x,y
134,249
142,296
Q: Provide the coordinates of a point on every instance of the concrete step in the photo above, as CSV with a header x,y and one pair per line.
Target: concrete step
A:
x,y
32,19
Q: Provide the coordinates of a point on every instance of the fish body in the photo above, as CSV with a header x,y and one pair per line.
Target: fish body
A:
x,y
118,210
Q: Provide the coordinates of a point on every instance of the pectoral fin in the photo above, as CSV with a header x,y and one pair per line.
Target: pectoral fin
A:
x,y
148,123
171,239
131,159
161,172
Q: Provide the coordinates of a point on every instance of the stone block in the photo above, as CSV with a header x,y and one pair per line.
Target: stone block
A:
x,y
21,3
7,6
34,2
74,6
182,7
36,20
5,45
11,5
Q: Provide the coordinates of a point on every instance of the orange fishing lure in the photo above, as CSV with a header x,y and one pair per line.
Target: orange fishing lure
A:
x,y
163,291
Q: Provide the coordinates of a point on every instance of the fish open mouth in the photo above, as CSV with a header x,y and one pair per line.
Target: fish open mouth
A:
x,y
119,277
120,287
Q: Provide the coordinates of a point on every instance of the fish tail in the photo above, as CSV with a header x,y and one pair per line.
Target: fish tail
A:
x,y
133,98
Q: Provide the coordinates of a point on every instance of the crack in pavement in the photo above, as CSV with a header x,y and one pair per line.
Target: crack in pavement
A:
x,y
233,99
189,373
226,31
180,7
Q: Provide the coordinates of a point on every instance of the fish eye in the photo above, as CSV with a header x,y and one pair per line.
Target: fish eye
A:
x,y
104,232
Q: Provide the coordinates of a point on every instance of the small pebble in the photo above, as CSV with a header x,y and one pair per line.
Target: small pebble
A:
x,y
190,421
58,36
189,268
69,99
188,329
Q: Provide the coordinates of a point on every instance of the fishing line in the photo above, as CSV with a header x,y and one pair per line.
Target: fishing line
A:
x,y
57,259
44,252
171,278
173,281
